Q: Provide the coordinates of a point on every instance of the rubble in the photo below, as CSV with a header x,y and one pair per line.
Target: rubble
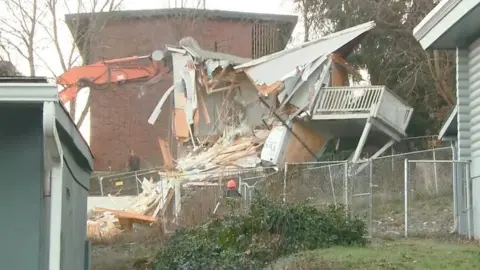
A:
x,y
234,148
145,208
239,147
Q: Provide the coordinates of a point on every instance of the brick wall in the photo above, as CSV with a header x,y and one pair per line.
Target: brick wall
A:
x,y
118,115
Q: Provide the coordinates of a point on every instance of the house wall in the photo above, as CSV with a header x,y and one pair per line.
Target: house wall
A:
x,y
474,98
76,181
118,115
463,134
24,223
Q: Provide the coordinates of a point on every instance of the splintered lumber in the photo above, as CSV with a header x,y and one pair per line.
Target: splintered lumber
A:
x,y
126,219
166,154
125,214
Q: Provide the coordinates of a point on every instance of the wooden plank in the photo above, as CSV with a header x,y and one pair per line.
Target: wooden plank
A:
x,y
125,215
166,154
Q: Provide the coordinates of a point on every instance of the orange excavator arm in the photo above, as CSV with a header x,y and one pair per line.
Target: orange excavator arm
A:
x,y
104,73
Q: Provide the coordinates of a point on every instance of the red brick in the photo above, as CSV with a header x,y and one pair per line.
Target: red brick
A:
x,y
119,116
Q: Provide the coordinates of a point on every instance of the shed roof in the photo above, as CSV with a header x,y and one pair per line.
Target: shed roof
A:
x,y
451,24
37,90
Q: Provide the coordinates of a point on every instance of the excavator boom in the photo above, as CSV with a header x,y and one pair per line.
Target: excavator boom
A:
x,y
104,73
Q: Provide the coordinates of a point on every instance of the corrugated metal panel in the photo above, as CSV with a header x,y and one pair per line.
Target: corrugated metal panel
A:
x,y
463,102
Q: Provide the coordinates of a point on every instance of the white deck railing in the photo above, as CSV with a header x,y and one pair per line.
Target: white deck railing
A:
x,y
342,100
362,102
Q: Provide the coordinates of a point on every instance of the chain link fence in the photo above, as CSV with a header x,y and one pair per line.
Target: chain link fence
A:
x,y
388,187
121,184
203,198
430,206
374,190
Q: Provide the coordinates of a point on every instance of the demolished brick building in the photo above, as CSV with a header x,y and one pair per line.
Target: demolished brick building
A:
x,y
119,114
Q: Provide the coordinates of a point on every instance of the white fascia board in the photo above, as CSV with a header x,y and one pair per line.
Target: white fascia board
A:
x,y
28,92
451,117
446,14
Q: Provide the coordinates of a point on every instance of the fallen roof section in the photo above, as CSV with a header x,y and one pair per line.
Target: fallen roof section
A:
x,y
268,70
38,90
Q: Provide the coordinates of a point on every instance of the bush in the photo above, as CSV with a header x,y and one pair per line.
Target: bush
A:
x,y
251,241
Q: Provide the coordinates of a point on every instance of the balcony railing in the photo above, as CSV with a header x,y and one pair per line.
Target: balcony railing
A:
x,y
362,102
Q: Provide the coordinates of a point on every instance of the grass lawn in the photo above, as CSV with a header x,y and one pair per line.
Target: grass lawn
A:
x,y
400,254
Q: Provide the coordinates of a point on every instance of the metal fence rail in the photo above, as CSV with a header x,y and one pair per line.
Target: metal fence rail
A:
x,y
431,188
374,190
398,195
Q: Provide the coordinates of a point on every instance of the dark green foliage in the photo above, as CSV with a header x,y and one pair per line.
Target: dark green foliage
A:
x,y
271,230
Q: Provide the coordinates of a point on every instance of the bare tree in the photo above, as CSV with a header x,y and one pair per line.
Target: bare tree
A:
x,y
90,9
85,22
19,28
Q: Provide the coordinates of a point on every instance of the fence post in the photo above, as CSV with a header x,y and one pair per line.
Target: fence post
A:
x,y
136,182
345,184
371,198
435,170
392,159
331,184
469,197
454,181
405,191
100,181
285,183
178,200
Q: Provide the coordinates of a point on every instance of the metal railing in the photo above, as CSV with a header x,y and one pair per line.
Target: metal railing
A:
x,y
362,102
341,100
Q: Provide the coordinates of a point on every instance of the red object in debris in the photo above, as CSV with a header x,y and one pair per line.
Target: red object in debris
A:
x,y
231,184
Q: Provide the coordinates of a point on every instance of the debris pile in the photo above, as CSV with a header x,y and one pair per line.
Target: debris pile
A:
x,y
154,200
237,148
